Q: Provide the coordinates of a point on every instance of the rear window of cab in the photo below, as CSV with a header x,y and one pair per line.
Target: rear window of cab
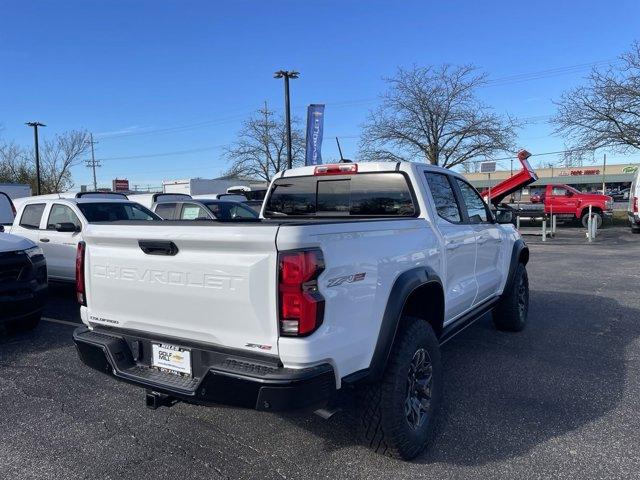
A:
x,y
360,195
115,211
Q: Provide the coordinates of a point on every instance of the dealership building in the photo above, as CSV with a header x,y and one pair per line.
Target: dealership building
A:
x,y
585,179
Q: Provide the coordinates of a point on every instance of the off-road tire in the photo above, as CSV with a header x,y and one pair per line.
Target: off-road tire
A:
x,y
597,217
511,313
383,425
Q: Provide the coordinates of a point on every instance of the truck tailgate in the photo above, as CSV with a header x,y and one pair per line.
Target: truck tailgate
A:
x,y
219,288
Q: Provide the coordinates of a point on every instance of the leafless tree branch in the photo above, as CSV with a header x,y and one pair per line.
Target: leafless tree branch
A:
x,y
260,150
432,114
606,111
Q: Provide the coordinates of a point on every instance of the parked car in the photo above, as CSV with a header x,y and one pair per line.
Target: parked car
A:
x,y
204,209
255,205
354,278
7,211
150,199
536,198
230,197
23,282
621,195
634,200
57,226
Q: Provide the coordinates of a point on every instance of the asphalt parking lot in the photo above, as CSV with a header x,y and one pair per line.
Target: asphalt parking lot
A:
x,y
559,400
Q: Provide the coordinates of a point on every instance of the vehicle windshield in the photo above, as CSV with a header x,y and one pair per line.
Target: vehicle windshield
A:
x,y
230,210
361,195
115,211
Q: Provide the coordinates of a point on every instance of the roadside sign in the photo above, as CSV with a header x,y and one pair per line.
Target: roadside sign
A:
x,y
487,167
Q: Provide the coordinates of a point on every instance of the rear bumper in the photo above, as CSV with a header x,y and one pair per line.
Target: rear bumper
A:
x,y
220,376
634,219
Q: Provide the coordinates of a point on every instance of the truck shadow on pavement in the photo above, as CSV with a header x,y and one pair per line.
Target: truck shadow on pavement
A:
x,y
506,393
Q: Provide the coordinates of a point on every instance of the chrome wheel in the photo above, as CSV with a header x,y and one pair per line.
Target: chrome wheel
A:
x,y
419,385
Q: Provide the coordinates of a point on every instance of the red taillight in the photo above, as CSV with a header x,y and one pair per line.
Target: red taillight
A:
x,y
301,305
80,290
336,169
635,204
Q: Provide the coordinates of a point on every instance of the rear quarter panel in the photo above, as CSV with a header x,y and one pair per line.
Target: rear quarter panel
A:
x,y
381,250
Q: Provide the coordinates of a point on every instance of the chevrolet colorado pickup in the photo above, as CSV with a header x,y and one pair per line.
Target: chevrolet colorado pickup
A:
x,y
350,281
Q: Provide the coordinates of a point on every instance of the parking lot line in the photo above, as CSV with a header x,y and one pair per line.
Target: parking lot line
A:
x,y
63,322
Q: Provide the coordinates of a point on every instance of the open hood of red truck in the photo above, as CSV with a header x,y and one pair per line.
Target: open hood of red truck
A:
x,y
524,177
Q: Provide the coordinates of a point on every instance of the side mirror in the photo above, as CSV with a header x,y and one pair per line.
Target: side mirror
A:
x,y
66,227
504,216
568,193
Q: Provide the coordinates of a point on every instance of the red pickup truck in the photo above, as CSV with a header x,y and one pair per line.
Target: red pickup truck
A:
x,y
561,200
566,201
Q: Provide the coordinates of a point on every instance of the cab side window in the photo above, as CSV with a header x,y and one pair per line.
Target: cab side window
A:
x,y
166,211
443,196
62,214
32,215
476,208
559,191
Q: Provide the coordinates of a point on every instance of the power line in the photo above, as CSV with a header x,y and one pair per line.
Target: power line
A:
x,y
167,154
499,81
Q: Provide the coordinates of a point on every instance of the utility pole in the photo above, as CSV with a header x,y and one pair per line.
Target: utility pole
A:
x,y
604,171
35,126
93,164
286,74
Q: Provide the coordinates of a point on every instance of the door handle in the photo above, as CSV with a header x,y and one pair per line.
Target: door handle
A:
x,y
452,245
44,240
158,247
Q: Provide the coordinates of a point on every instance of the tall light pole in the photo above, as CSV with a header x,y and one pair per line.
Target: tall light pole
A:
x,y
35,126
286,74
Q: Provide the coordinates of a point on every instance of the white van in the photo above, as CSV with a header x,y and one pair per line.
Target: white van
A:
x,y
634,201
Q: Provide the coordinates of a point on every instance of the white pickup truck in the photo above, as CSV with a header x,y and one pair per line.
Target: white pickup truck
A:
x,y
352,279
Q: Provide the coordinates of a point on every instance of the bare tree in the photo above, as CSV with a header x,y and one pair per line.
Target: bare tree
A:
x,y
58,156
606,111
432,114
470,167
15,165
261,148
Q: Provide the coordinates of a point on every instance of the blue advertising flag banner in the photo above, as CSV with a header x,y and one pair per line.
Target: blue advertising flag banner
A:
x,y
315,127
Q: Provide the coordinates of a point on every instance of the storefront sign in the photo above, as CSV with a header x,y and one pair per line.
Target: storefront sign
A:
x,y
579,172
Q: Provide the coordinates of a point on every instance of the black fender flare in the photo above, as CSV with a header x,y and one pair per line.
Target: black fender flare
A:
x,y
519,254
405,284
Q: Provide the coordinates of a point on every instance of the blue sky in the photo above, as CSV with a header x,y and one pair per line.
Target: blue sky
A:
x,y
157,77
